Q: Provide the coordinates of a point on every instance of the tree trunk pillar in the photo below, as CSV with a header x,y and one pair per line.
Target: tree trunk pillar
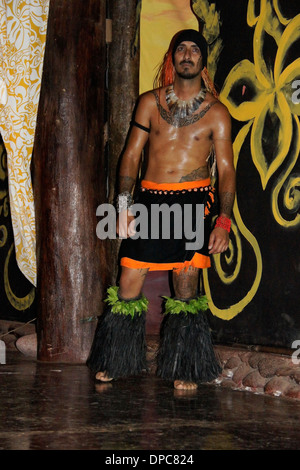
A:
x,y
123,90
70,181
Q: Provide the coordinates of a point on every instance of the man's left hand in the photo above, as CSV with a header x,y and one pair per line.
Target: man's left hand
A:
x,y
218,241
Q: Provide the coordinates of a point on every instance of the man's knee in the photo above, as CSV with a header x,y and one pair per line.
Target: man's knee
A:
x,y
185,283
131,282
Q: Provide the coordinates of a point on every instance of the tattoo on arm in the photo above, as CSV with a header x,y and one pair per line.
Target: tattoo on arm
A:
x,y
198,174
126,183
226,203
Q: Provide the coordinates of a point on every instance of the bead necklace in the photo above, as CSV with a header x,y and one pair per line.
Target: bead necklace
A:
x,y
181,109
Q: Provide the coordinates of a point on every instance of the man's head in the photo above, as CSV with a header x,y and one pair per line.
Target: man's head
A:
x,y
190,35
165,73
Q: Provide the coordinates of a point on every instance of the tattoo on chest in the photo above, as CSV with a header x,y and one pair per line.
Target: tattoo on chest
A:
x,y
199,173
178,121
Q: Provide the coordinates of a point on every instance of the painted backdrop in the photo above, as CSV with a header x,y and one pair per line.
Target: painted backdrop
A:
x,y
253,289
17,294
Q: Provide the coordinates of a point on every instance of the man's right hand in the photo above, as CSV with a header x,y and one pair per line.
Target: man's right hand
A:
x,y
125,224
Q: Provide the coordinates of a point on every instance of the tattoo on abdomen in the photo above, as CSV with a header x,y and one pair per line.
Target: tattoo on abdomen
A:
x,y
198,174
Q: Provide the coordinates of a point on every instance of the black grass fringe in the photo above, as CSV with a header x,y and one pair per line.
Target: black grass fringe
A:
x,y
186,350
119,345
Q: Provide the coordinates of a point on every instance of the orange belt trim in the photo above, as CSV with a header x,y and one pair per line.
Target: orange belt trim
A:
x,y
198,261
175,186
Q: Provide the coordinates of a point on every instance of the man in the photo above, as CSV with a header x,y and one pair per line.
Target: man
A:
x,y
181,122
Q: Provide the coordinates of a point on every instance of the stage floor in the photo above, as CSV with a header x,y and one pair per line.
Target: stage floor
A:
x,y
59,407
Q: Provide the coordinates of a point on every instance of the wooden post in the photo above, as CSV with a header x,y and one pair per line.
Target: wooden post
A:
x,y
123,79
70,181
123,74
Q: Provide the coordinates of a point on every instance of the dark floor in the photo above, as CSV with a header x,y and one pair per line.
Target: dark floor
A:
x,y
58,407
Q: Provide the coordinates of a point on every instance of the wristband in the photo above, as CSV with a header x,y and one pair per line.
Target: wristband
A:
x,y
223,222
124,201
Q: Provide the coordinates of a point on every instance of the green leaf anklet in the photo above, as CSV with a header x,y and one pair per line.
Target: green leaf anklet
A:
x,y
125,307
176,306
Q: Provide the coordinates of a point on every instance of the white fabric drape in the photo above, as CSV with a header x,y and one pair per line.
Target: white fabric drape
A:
x,y
23,26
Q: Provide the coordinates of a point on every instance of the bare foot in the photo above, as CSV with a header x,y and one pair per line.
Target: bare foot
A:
x,y
183,385
103,377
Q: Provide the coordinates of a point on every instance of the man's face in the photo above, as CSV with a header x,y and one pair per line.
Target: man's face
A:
x,y
188,60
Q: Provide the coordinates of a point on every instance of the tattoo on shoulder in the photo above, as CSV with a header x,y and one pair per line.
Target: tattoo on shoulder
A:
x,y
198,174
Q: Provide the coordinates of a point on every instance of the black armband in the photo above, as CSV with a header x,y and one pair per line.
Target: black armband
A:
x,y
136,124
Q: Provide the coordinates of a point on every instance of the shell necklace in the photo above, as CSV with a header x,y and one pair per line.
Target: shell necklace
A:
x,y
181,109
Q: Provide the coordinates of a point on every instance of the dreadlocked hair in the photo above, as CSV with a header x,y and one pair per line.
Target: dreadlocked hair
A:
x,y
165,72
209,84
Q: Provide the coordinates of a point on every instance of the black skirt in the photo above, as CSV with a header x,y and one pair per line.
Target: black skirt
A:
x,y
173,225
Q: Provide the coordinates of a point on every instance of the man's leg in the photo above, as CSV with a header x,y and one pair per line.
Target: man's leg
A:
x,y
131,282
186,353
185,283
119,343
